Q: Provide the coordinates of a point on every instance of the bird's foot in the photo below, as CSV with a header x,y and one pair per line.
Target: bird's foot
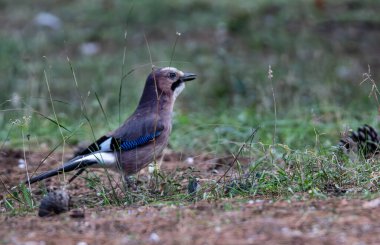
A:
x,y
129,183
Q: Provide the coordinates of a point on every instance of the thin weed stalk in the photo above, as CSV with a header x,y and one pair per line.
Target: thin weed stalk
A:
x,y
26,163
84,114
56,119
270,77
123,73
374,90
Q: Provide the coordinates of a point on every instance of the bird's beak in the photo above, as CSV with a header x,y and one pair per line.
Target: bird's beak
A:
x,y
188,76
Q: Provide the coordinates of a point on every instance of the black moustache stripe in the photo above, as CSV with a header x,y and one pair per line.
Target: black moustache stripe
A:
x,y
176,84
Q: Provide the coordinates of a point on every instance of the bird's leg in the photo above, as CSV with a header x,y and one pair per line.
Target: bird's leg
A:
x,y
76,174
129,183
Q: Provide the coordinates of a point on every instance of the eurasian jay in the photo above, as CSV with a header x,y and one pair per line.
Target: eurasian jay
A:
x,y
142,137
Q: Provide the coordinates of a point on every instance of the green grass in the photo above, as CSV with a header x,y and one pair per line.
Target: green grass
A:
x,y
317,56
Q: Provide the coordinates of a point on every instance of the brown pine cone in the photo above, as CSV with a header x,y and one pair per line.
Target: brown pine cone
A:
x,y
53,203
365,141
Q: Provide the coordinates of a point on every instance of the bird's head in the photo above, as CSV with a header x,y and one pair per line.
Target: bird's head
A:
x,y
169,80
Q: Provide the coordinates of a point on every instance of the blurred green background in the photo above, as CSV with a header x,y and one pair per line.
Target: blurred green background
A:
x,y
318,51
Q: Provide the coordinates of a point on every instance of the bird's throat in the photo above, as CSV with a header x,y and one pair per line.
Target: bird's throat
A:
x,y
178,90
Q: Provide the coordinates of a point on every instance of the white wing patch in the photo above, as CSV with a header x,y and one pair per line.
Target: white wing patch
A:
x,y
106,145
104,159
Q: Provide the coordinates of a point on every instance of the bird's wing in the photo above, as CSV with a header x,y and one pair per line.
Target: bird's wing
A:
x,y
132,134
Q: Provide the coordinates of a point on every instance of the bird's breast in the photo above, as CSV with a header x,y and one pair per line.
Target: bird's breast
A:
x,y
136,159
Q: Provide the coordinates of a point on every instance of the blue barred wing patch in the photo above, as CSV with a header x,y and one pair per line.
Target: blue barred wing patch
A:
x,y
131,144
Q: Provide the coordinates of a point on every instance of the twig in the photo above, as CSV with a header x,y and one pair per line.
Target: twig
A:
x,y
249,139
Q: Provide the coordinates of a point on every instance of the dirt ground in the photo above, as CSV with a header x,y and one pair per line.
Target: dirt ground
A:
x,y
229,221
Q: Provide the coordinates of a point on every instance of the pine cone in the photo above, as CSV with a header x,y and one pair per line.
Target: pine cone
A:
x,y
365,141
53,203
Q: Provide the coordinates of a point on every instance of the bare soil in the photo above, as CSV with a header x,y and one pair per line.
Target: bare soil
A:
x,y
254,220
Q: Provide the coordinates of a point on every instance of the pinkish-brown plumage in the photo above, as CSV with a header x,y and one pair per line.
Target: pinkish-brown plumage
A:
x,y
142,137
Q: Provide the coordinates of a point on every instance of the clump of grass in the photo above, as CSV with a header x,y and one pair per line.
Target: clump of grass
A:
x,y
18,200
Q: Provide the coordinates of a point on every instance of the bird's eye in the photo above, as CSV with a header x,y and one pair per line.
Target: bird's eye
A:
x,y
172,75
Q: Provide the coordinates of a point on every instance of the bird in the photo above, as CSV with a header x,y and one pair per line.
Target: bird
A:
x,y
143,135
365,141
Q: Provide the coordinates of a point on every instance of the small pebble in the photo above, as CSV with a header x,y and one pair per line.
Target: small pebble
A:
x,y
21,163
154,237
372,204
53,203
89,48
48,20
190,160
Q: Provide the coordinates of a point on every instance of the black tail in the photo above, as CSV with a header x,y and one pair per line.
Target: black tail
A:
x,y
77,164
